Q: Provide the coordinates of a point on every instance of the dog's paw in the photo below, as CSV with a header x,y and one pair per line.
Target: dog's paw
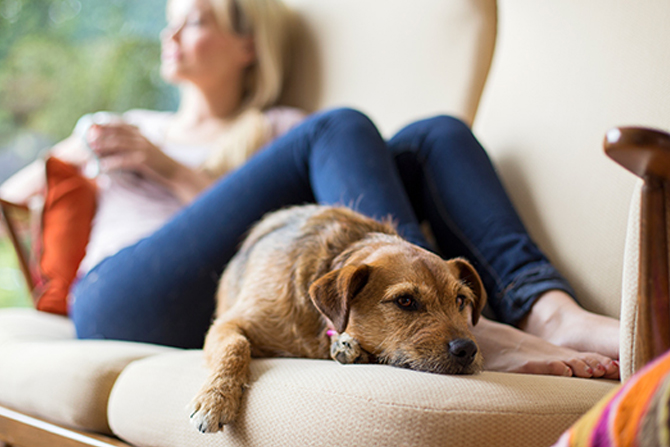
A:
x,y
214,407
346,350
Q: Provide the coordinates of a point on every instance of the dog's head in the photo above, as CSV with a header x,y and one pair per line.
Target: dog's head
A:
x,y
407,307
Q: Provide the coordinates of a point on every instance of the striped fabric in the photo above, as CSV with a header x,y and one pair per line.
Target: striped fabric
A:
x,y
634,414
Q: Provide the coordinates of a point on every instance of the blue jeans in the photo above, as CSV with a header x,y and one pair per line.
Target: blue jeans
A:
x,y
161,289
453,185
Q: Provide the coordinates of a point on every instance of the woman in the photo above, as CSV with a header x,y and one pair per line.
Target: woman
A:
x,y
153,280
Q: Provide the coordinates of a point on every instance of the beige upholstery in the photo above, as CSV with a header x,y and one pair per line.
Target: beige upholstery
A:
x,y
395,61
562,75
45,372
321,403
629,307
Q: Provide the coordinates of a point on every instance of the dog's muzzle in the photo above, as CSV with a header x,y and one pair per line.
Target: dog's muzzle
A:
x,y
462,351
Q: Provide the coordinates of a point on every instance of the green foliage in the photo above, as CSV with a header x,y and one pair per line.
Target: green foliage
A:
x,y
13,289
60,59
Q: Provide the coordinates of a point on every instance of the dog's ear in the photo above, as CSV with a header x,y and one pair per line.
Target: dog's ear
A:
x,y
333,293
469,276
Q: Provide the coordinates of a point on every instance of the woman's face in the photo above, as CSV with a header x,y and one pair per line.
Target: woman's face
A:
x,y
196,49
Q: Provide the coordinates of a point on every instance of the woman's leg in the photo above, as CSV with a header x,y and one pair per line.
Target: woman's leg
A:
x,y
454,186
161,290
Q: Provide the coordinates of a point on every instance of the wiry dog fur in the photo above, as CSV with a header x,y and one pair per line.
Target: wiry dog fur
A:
x,y
308,269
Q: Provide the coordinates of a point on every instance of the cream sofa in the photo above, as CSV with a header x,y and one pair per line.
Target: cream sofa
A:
x,y
541,83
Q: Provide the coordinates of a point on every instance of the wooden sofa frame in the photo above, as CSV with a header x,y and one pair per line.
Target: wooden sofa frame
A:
x,y
20,430
646,153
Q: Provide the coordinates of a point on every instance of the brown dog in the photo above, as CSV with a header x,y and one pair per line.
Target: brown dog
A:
x,y
307,270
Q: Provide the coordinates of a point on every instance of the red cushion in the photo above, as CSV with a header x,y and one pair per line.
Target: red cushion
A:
x,y
69,208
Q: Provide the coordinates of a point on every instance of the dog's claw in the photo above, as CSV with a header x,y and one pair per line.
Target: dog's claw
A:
x,y
213,408
206,422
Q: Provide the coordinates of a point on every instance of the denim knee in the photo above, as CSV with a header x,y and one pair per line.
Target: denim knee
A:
x,y
447,124
345,117
447,133
442,132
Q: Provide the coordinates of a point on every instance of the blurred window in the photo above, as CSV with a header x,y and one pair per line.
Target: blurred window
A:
x,y
60,59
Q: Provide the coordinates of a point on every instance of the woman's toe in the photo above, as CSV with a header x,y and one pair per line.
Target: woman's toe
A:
x,y
580,368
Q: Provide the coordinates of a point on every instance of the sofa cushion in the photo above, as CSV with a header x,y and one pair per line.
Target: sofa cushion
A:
x,y
28,324
47,373
315,402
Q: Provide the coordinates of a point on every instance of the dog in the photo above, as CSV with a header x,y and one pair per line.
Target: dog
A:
x,y
317,282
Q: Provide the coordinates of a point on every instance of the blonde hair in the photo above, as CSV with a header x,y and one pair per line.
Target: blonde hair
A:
x,y
267,22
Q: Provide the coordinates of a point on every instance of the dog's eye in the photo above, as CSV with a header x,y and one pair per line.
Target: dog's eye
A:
x,y
407,302
460,301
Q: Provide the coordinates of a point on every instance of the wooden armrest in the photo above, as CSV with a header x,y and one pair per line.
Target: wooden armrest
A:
x,y
22,430
7,211
646,153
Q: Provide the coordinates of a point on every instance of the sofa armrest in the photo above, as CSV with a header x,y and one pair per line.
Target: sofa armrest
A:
x,y
12,217
646,153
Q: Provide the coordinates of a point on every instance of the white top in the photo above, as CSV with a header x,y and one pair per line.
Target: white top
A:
x,y
131,207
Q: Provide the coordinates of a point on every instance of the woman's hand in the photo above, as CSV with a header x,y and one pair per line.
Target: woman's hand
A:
x,y
121,146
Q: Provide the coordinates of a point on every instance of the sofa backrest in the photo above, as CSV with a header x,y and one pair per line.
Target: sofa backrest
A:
x,y
563,74
396,60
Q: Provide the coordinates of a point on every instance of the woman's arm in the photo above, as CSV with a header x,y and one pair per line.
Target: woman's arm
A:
x,y
72,150
31,180
24,184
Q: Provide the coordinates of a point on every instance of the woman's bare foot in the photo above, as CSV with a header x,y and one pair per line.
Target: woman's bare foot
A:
x,y
507,349
558,319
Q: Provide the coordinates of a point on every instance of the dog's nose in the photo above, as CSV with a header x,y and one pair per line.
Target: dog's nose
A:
x,y
463,350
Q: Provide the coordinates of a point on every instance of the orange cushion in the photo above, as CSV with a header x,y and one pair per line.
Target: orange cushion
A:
x,y
69,208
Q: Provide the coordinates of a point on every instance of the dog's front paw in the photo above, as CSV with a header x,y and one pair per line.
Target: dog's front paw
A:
x,y
346,350
215,407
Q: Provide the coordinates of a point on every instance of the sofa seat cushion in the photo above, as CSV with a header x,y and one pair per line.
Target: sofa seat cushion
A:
x,y
317,402
45,372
